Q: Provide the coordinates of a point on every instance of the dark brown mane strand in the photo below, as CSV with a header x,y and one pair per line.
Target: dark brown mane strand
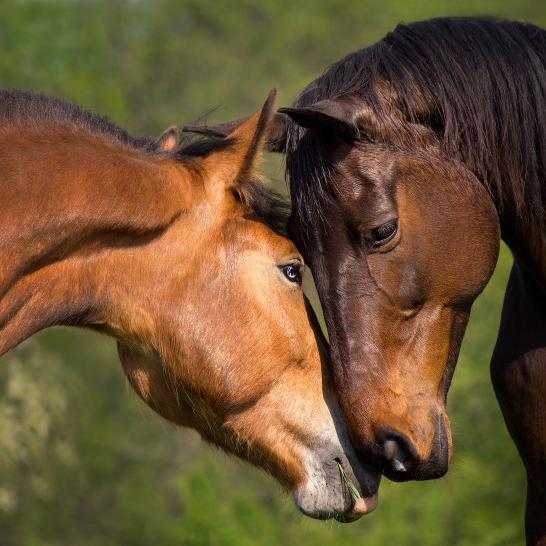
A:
x,y
479,83
36,108
201,148
268,205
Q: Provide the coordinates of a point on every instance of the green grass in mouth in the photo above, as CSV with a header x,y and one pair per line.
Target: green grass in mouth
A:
x,y
353,491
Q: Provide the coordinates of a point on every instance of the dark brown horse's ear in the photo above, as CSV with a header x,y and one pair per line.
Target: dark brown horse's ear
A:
x,y
331,116
234,164
275,139
168,140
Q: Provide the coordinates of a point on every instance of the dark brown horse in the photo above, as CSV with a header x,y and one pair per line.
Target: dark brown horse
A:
x,y
178,254
407,161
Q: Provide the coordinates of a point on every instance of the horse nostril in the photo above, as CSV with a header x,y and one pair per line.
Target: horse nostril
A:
x,y
394,455
399,456
400,461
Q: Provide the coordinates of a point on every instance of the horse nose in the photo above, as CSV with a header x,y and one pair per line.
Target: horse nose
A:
x,y
401,461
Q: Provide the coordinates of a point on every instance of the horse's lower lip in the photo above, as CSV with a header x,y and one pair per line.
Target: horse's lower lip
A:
x,y
360,508
366,505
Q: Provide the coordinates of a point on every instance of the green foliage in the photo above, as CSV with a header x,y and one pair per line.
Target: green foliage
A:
x,y
82,462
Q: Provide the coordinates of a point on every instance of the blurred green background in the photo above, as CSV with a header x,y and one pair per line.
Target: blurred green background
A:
x,y
82,461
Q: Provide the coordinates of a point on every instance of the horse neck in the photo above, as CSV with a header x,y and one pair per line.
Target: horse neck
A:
x,y
526,238
68,201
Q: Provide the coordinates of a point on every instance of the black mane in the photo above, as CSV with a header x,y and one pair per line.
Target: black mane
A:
x,y
37,108
484,85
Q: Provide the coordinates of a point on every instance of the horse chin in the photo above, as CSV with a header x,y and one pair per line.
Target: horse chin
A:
x,y
325,494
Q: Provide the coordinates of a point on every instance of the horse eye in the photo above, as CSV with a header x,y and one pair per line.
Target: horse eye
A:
x,y
384,233
293,272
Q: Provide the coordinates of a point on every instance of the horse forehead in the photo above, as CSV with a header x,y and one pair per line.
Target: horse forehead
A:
x,y
377,169
249,232
362,167
372,158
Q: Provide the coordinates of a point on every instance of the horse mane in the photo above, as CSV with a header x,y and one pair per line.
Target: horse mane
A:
x,y
268,205
478,83
36,109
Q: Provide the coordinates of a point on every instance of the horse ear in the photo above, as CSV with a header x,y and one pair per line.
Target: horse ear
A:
x,y
234,162
337,116
275,140
168,140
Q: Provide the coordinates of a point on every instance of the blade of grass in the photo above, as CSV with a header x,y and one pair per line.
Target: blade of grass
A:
x,y
353,491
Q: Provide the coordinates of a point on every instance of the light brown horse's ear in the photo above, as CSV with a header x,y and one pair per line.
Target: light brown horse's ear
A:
x,y
168,140
234,164
275,140
337,117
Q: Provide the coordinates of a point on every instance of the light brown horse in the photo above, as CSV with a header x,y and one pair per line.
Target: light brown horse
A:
x,y
175,253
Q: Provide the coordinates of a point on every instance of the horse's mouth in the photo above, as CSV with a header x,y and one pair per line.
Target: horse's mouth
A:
x,y
361,505
337,492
